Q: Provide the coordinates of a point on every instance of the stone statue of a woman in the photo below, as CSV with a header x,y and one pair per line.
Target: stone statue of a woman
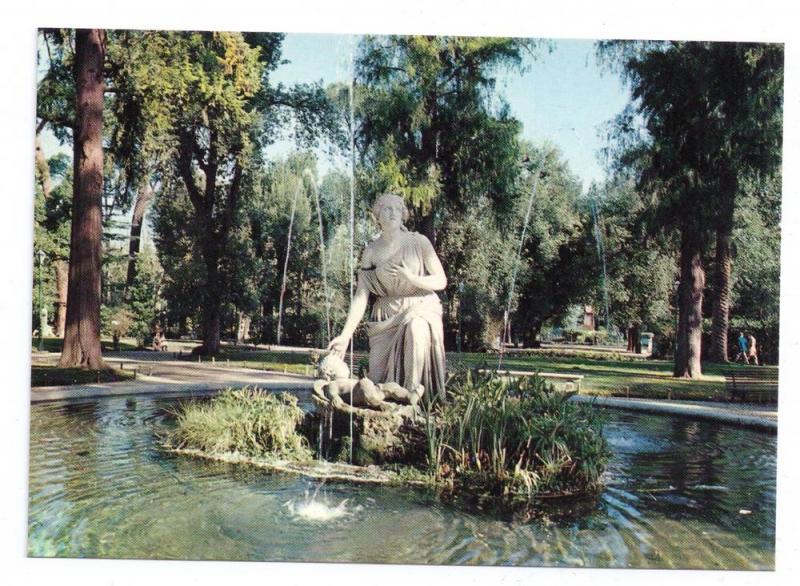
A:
x,y
402,273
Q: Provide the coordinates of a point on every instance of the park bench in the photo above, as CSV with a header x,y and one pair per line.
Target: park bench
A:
x,y
571,382
756,384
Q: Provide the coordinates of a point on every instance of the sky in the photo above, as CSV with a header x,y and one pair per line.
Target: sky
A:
x,y
562,97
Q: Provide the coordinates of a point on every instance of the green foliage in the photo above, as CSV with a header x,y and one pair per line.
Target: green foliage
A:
x,y
51,233
144,296
641,270
247,421
559,264
756,275
515,437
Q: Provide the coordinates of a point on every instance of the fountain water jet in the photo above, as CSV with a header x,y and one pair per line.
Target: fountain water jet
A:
x,y
601,256
351,120
311,509
507,312
286,260
307,173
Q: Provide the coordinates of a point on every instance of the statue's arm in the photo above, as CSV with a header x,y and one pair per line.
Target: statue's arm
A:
x,y
435,280
357,309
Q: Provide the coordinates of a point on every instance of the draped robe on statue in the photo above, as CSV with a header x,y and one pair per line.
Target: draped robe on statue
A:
x,y
406,337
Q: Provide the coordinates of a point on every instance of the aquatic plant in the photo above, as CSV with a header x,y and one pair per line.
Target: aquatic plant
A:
x,y
510,436
246,421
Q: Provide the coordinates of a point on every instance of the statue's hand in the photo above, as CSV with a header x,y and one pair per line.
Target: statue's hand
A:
x,y
338,345
401,270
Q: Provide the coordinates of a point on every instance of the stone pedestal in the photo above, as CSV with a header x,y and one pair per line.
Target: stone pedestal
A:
x,y
391,435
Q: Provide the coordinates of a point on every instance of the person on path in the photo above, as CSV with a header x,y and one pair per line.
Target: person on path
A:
x,y
742,341
751,349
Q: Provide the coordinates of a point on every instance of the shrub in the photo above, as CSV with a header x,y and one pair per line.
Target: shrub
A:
x,y
247,421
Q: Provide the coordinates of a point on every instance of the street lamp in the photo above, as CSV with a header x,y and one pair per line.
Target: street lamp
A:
x,y
676,287
460,296
42,311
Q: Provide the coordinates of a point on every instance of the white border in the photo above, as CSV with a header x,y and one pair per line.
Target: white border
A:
x,y
765,20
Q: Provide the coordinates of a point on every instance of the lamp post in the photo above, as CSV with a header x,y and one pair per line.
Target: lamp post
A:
x,y
676,286
460,296
42,310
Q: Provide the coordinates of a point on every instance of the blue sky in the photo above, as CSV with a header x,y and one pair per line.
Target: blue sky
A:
x,y
562,97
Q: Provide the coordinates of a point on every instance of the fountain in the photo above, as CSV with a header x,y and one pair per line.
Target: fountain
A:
x,y
318,511
601,256
507,312
309,175
286,260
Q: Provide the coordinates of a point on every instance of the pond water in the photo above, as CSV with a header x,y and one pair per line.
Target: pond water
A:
x,y
679,494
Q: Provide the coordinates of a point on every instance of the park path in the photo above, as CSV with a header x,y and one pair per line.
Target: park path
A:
x,y
159,373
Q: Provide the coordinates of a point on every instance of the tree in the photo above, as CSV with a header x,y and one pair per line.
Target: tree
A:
x,y
701,130
427,128
52,210
82,332
559,266
221,109
55,106
431,127
641,268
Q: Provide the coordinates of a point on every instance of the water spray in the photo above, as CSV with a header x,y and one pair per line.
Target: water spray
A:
x,y
507,312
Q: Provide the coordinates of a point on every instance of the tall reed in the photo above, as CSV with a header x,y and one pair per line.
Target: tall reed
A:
x,y
510,436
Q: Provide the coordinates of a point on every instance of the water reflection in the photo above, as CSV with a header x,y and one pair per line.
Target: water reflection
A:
x,y
99,487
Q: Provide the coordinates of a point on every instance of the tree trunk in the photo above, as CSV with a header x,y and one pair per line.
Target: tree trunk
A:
x,y
211,328
143,199
534,330
722,299
634,338
82,333
243,328
62,284
690,309
722,274
212,299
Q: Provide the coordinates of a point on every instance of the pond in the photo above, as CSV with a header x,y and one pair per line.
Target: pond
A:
x,y
679,493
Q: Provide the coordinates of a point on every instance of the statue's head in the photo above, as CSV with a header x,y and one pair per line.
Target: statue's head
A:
x,y
332,367
389,210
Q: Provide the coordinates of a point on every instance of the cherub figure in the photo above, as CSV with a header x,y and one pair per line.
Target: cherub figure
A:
x,y
335,386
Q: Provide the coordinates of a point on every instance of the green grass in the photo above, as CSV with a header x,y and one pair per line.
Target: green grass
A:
x,y
45,376
616,377
55,344
246,421
606,374
290,362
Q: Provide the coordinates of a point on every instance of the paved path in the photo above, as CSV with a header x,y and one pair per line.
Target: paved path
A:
x,y
759,416
158,373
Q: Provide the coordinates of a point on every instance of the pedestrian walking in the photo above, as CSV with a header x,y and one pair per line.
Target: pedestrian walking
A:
x,y
751,349
742,341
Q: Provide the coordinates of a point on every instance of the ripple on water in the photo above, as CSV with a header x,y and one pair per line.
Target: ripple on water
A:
x,y
100,487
